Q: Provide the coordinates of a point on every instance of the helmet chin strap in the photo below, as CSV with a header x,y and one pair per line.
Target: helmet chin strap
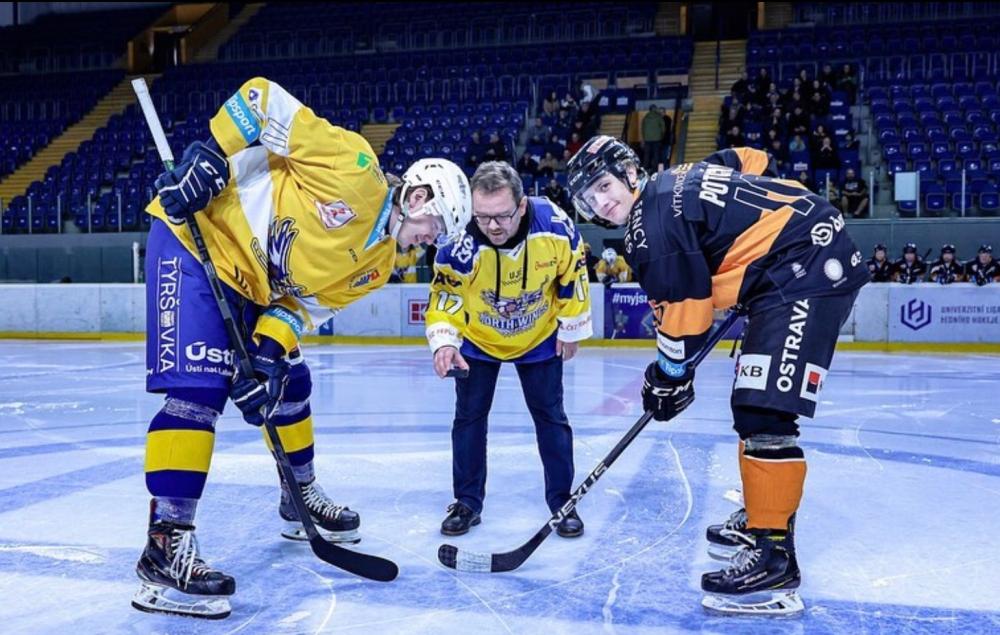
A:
x,y
394,228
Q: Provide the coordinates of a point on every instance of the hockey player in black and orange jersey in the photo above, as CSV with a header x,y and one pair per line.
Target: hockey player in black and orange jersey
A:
x,y
946,269
719,234
983,269
879,266
910,267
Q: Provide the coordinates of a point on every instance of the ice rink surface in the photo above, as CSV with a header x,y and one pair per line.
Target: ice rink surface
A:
x,y
896,534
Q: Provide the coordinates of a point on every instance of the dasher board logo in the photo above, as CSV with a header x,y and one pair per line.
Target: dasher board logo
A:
x,y
336,214
915,314
416,311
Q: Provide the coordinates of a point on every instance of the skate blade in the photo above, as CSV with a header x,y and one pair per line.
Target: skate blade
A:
x,y
777,603
153,598
721,552
295,531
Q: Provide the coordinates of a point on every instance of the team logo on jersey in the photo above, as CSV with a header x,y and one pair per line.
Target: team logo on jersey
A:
x,y
812,382
336,214
279,251
511,316
365,278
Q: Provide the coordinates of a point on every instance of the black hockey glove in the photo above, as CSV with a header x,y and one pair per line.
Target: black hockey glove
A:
x,y
666,396
258,397
200,176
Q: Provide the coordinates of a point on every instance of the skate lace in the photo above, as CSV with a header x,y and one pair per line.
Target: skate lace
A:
x,y
737,521
744,559
318,502
186,562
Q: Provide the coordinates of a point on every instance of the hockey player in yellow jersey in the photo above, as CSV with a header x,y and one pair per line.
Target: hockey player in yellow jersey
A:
x,y
612,268
405,269
300,221
512,288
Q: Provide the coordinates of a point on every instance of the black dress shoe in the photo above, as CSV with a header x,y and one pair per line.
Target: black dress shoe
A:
x,y
571,526
460,519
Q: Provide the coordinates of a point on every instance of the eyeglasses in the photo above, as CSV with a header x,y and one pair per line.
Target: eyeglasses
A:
x,y
484,220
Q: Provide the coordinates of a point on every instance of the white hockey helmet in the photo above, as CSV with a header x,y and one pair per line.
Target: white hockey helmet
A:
x,y
609,255
451,196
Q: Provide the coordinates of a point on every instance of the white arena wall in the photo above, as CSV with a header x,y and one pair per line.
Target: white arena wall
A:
x,y
890,313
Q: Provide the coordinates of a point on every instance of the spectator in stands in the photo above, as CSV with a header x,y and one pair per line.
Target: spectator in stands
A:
x,y
551,104
668,139
854,199
564,161
819,102
739,88
910,268
735,138
538,132
983,269
798,122
733,117
797,144
816,139
828,76
879,266
548,165
557,194
946,269
476,151
527,165
564,125
849,142
806,180
763,80
589,119
653,129
848,83
555,146
826,156
569,103
587,93
777,122
496,150
777,150
803,77
591,261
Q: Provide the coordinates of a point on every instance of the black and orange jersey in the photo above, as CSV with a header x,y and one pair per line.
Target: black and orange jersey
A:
x,y
945,272
908,272
716,234
981,274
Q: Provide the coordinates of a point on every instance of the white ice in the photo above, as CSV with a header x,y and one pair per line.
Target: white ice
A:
x,y
896,533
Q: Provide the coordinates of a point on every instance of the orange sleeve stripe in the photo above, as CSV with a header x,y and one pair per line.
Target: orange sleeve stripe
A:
x,y
752,161
687,317
748,246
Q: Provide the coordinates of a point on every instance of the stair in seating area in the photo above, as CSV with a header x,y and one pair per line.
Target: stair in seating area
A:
x,y
114,102
378,133
703,120
613,124
778,15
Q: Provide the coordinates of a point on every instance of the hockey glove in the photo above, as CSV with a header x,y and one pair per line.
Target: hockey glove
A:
x,y
200,176
258,397
666,396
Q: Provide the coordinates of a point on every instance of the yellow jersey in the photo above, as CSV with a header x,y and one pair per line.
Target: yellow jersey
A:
x,y
301,228
512,304
620,270
406,264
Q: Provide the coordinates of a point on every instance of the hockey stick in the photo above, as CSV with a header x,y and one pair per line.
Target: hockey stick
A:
x,y
455,558
361,564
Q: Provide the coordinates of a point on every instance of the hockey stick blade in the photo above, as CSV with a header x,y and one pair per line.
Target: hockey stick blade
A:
x,y
455,558
360,564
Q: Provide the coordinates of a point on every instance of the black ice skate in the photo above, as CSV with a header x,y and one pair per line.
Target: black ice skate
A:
x,y
726,539
762,578
334,522
176,580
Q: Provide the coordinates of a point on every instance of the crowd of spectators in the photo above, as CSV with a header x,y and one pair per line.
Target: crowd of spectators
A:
x,y
794,125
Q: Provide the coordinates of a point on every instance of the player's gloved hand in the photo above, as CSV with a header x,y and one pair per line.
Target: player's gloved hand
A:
x,y
258,397
200,176
666,396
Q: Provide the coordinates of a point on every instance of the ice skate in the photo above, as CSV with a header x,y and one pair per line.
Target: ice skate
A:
x,y
725,539
175,580
336,523
761,580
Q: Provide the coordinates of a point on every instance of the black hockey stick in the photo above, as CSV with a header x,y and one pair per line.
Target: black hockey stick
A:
x,y
360,564
455,558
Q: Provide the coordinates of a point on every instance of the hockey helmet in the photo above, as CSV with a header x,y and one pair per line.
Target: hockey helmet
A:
x,y
450,199
609,255
910,248
880,247
600,155
985,249
948,249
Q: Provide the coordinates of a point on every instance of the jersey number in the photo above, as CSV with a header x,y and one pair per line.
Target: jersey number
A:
x,y
449,303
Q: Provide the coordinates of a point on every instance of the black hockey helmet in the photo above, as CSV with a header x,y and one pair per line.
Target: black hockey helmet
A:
x,y
600,155
948,249
910,248
880,247
985,249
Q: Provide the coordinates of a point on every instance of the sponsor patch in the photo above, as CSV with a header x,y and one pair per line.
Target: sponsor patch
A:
x,y
336,214
833,269
673,349
812,382
752,371
365,278
243,118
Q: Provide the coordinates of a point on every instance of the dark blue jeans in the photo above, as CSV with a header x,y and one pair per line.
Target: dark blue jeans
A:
x,y
543,392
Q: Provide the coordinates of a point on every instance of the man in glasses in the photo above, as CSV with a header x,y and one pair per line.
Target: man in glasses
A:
x,y
513,288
